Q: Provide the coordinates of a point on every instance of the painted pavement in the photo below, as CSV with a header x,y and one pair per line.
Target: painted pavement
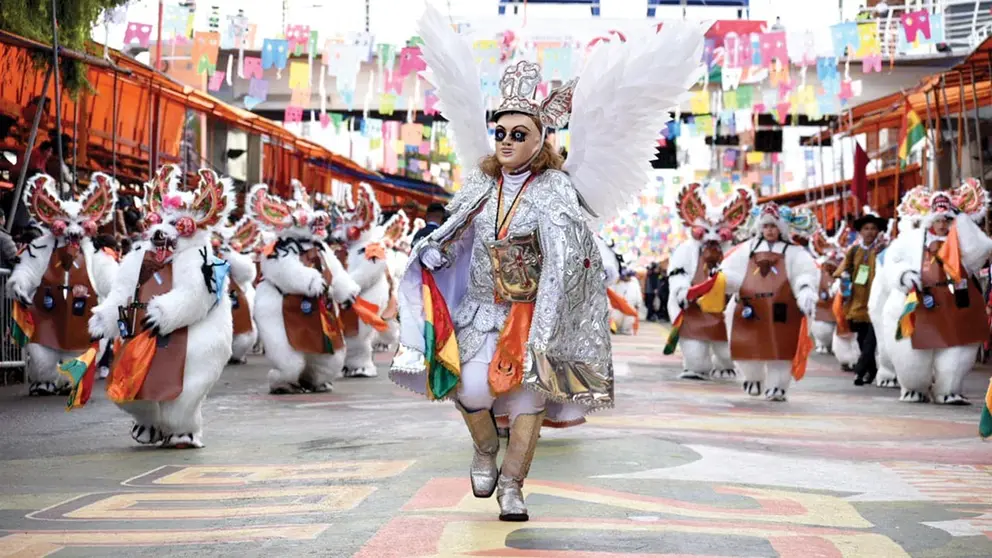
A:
x,y
678,469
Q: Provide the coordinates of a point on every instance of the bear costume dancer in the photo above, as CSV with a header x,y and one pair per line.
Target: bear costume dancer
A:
x,y
697,284
170,305
776,284
934,318
61,277
236,244
296,303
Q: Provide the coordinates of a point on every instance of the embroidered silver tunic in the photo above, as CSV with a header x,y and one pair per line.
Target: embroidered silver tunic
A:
x,y
569,356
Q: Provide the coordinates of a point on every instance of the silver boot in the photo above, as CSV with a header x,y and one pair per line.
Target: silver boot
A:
x,y
524,433
484,471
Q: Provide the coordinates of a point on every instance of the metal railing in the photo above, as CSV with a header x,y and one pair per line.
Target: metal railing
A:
x,y
11,356
960,25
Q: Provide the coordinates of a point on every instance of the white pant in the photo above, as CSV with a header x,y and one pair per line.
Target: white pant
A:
x,y
474,393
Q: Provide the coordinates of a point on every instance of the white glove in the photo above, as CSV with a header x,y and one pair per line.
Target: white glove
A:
x,y
432,258
807,301
680,298
910,280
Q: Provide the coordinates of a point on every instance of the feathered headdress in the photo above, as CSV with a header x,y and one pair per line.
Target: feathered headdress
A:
x,y
969,198
198,208
771,212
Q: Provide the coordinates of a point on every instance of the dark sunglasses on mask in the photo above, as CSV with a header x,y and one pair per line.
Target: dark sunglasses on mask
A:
x,y
516,136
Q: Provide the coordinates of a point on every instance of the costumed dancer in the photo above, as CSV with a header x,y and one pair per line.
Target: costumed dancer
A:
x,y
698,286
934,318
366,263
620,309
170,305
296,303
628,290
60,277
776,284
857,273
829,257
910,213
393,233
516,262
236,245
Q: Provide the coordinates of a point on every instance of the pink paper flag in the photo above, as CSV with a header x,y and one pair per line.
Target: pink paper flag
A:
x,y
140,32
325,120
293,114
215,81
425,148
253,67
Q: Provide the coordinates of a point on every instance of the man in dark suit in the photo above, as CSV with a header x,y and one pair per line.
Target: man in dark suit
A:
x,y
435,217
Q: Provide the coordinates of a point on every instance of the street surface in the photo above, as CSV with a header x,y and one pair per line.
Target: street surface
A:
x,y
678,469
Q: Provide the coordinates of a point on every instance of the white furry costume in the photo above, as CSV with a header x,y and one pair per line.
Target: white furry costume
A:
x,y
629,289
301,278
800,299
235,244
367,265
829,255
711,228
189,320
394,232
937,373
60,276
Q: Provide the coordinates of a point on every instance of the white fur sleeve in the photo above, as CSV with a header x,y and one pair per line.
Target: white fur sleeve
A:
x,y
342,288
104,320
290,276
899,260
803,273
975,245
681,269
103,273
734,266
189,301
27,274
242,268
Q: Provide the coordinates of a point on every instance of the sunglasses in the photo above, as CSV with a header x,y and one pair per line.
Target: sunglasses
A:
x,y
516,136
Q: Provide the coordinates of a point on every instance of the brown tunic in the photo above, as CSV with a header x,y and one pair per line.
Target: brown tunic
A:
x,y
957,319
700,325
825,306
164,381
772,332
62,324
240,313
301,314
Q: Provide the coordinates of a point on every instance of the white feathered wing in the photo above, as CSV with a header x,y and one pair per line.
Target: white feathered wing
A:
x,y
619,106
452,71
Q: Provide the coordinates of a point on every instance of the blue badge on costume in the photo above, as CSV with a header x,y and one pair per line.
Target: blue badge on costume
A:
x,y
221,270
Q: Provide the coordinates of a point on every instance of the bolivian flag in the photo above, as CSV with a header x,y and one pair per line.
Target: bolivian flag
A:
x,y
911,133
440,344
81,372
710,296
907,321
23,327
985,423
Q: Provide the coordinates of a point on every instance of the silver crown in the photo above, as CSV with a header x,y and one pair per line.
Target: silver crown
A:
x,y
519,87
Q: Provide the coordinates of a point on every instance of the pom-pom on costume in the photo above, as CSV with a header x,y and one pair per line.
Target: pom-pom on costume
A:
x,y
513,318
698,285
296,303
776,284
60,277
366,263
934,317
170,305
236,244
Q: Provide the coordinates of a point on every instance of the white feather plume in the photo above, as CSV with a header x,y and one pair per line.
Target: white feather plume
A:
x,y
452,71
619,107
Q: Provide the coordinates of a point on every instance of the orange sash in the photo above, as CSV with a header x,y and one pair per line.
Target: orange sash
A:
x,y
369,313
802,351
619,303
506,369
132,367
843,328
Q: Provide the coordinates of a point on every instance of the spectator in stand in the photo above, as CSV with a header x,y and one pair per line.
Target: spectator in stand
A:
x,y
436,216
